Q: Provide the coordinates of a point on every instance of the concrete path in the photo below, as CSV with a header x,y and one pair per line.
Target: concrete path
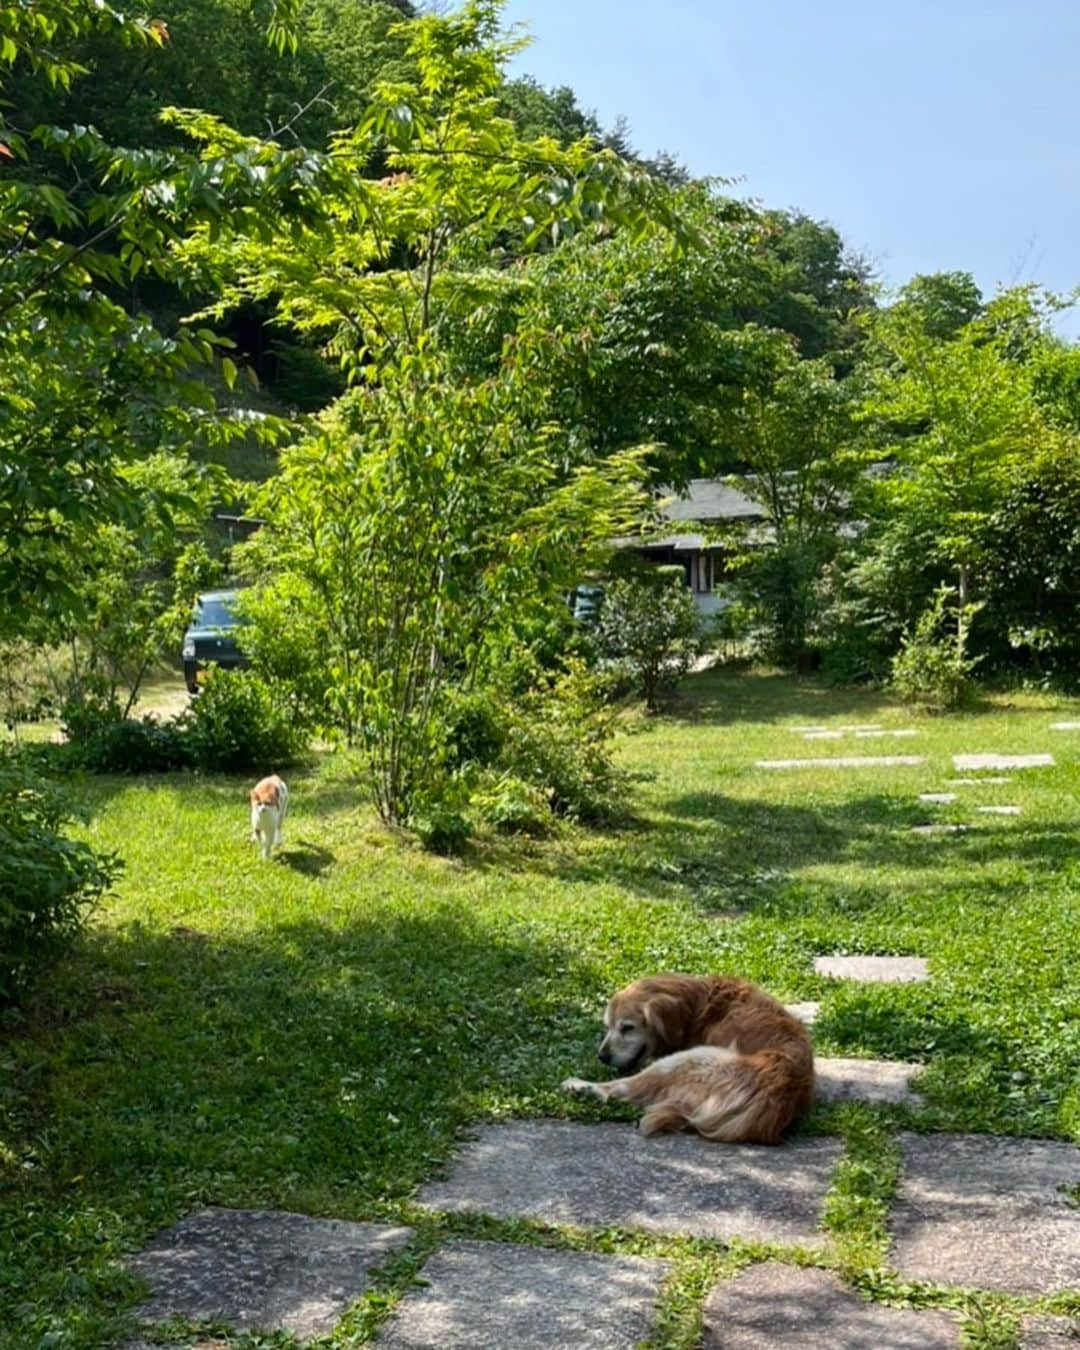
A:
x,y
874,969
844,762
596,1176
776,1307
987,1212
261,1270
882,1082
967,763
496,1296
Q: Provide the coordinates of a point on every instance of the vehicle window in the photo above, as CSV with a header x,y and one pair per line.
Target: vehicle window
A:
x,y
215,614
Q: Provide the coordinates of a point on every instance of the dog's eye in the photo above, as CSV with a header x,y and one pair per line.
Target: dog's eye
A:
x,y
626,1028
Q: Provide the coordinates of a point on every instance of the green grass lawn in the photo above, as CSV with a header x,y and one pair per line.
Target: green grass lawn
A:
x,y
313,1033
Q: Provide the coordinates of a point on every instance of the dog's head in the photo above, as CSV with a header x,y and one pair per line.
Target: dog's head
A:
x,y
648,1019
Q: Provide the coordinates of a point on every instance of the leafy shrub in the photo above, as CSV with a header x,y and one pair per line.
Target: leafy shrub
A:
x,y
512,806
438,818
475,729
47,881
648,623
133,745
237,724
101,740
932,668
558,738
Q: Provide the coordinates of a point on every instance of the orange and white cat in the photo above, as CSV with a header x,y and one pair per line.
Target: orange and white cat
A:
x,y
269,802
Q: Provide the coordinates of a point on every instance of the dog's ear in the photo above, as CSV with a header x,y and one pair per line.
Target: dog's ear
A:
x,y
664,1017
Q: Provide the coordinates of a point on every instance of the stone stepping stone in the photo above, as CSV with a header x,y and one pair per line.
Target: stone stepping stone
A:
x,y
844,762
811,728
998,810
975,782
964,763
497,1296
823,736
874,969
942,798
881,1082
987,1213
938,829
607,1174
807,1013
770,1305
261,1270
1050,1333
876,735
1065,726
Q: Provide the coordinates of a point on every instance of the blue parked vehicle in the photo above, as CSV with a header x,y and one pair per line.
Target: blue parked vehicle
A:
x,y
211,637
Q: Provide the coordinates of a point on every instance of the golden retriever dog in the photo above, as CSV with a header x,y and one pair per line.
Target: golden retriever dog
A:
x,y
727,1060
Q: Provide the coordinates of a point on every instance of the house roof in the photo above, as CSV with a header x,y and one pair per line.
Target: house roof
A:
x,y
705,501
708,499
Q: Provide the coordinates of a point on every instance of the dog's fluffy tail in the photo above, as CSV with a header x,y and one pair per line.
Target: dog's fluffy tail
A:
x,y
751,1100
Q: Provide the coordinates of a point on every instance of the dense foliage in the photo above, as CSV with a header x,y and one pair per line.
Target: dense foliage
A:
x,y
47,881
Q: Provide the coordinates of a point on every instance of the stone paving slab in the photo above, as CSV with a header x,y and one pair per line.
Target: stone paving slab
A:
x,y
879,1081
939,829
998,810
261,1270
1065,726
598,1175
902,733
770,1306
975,782
1050,1333
844,762
874,969
496,1296
938,798
823,735
806,1012
987,1212
964,763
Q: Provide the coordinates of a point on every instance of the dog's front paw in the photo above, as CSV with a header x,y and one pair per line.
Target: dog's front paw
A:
x,y
575,1085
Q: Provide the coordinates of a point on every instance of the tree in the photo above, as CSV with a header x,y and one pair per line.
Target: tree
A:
x,y
89,387
648,623
963,419
792,429
217,59
135,586
429,514
418,525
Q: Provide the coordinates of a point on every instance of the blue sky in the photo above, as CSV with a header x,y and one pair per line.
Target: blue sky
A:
x,y
935,136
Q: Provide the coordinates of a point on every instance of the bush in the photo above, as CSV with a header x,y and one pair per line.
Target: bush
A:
x,y
512,806
47,881
134,745
101,740
648,623
932,668
438,818
475,729
237,723
558,739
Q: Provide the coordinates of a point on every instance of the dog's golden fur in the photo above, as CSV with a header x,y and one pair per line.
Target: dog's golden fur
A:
x,y
728,1060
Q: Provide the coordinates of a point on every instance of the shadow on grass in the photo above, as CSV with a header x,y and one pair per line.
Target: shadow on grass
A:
x,y
318,1066
724,696
721,697
732,853
310,860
